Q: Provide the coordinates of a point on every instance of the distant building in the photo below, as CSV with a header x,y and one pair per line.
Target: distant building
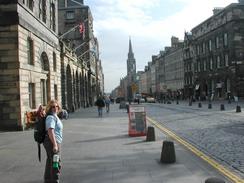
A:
x,y
188,53
174,67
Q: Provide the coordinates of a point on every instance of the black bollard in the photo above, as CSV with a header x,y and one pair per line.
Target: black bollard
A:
x,y
127,108
199,104
238,108
190,103
168,152
150,134
222,107
214,180
210,106
177,102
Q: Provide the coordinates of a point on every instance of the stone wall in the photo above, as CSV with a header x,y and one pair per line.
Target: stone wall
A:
x,y
9,86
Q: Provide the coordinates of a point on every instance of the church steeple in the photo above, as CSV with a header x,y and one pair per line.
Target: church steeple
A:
x,y
131,63
130,47
131,72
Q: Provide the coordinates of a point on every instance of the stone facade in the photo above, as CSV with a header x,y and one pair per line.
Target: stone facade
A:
x,y
174,67
218,54
73,16
29,59
74,80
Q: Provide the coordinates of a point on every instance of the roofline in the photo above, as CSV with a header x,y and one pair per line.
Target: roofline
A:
x,y
225,8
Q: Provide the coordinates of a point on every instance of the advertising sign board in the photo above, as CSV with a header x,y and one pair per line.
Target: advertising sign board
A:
x,y
137,121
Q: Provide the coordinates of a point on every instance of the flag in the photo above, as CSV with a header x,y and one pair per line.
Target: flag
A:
x,y
82,29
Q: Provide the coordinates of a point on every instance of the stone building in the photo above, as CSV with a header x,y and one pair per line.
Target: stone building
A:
x,y
29,59
174,67
218,53
188,52
161,90
74,84
76,30
143,83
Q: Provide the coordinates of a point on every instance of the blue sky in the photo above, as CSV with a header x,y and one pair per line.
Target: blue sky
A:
x,y
150,24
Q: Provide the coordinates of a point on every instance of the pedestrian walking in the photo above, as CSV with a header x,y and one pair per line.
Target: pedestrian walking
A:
x,y
52,142
100,105
107,103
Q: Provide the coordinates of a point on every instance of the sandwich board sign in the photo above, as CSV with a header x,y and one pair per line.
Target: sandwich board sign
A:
x,y
137,121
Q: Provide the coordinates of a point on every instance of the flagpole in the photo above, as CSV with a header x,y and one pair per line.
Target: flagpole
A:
x,y
80,45
86,52
68,31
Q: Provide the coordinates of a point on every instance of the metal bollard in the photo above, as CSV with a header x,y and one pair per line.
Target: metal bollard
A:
x,y
199,104
168,152
150,134
210,106
222,107
238,108
214,180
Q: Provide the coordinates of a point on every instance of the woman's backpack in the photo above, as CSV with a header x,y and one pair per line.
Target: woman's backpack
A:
x,y
40,133
40,130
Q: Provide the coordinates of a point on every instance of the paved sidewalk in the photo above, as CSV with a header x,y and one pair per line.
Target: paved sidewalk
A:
x,y
99,150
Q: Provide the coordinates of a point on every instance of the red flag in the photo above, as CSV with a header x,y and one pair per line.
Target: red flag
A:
x,y
81,28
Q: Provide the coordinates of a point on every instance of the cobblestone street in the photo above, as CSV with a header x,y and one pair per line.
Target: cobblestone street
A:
x,y
220,134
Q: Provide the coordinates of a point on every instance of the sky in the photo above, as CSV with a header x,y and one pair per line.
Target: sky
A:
x,y
149,23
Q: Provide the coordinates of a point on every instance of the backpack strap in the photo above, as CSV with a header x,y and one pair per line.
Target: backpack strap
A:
x,y
39,151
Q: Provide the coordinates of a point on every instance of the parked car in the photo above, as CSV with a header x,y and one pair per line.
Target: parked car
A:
x,y
119,99
151,100
142,100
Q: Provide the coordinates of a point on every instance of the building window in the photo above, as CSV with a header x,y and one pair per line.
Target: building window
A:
x,y
30,51
198,66
225,39
52,17
70,15
55,91
43,92
32,95
54,62
211,64
203,48
217,42
204,65
44,9
226,59
210,45
198,50
218,62
30,4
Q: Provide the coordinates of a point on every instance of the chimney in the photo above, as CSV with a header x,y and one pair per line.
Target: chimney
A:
x,y
241,1
217,10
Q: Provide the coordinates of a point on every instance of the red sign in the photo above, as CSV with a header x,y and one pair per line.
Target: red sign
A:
x,y
137,121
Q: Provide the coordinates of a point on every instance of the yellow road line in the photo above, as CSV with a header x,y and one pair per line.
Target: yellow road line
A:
x,y
220,168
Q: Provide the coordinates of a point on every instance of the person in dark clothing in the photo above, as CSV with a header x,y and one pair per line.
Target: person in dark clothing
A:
x,y
100,105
